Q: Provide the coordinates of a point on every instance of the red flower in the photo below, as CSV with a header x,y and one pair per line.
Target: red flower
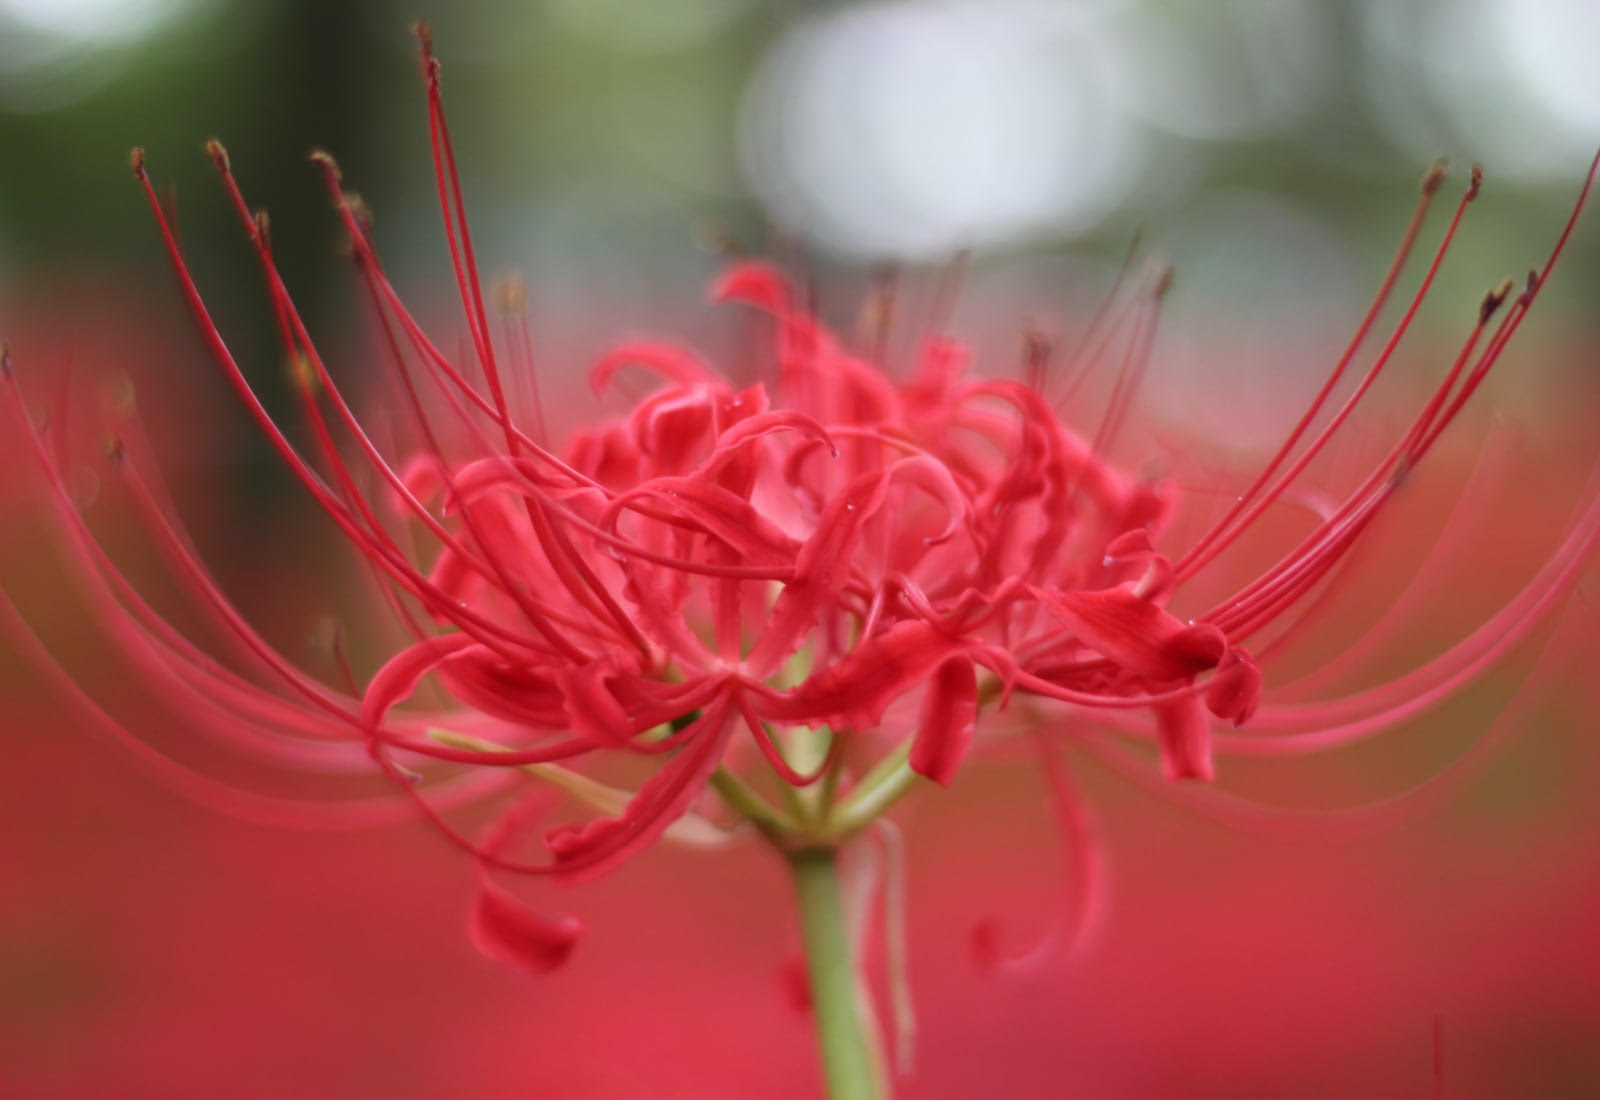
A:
x,y
724,574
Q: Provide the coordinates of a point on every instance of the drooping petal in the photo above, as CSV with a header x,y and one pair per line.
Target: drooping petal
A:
x,y
949,714
1235,691
502,926
505,929
591,849
1185,734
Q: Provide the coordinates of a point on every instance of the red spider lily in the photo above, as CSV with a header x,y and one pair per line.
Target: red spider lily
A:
x,y
729,574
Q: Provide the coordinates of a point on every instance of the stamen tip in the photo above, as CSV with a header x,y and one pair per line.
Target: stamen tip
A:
x,y
218,155
1477,182
718,238
430,63
1493,300
1531,289
324,160
303,375
511,294
1433,178
5,359
1163,282
136,161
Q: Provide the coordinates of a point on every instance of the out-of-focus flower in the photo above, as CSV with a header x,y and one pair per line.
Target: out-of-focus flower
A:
x,y
820,585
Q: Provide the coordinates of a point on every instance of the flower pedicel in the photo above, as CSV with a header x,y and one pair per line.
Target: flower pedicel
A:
x,y
738,585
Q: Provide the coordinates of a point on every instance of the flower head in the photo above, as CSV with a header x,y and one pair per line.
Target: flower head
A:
x,y
820,584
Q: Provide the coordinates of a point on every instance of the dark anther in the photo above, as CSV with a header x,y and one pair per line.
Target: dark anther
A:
x,y
1493,300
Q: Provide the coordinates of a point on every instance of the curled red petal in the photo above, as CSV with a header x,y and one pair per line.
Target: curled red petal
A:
x,y
821,569
934,478
673,363
728,517
753,428
594,712
505,929
608,454
398,678
755,283
674,429
1235,691
421,478
1136,634
456,579
514,690
593,848
949,713
853,692
1133,545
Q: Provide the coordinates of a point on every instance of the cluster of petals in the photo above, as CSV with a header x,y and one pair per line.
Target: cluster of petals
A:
x,y
829,548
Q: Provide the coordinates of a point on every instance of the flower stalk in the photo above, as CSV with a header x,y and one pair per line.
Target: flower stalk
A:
x,y
837,547
879,789
850,1063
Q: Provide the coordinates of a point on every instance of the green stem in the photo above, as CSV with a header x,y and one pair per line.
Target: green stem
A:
x,y
849,1062
736,793
879,789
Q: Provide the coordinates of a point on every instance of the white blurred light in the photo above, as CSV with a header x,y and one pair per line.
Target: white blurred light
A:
x,y
90,22
1553,44
55,52
1515,81
914,129
1266,295
1225,69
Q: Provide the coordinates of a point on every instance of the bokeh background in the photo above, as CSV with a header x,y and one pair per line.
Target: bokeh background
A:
x,y
1268,148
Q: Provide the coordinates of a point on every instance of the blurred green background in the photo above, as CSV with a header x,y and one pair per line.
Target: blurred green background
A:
x,y
1268,146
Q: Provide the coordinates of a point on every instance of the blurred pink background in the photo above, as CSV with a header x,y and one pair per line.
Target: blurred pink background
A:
x,y
151,949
